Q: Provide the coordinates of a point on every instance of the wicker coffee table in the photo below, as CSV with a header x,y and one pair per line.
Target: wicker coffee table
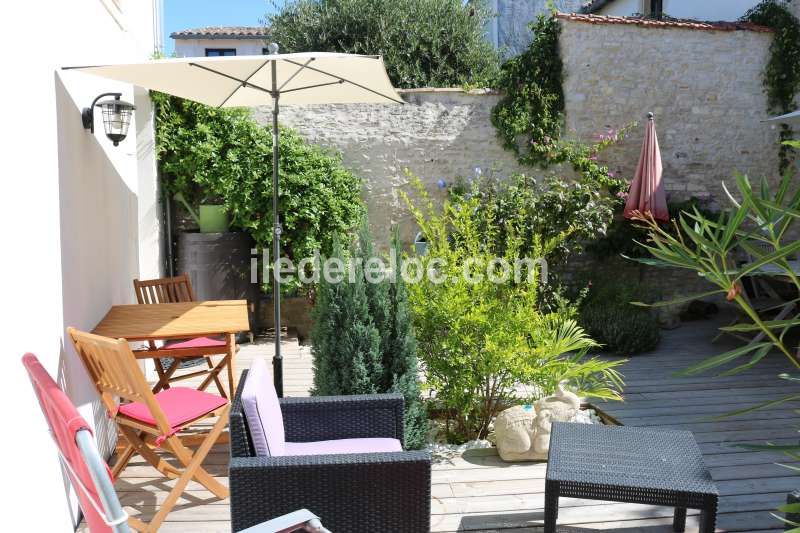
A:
x,y
629,464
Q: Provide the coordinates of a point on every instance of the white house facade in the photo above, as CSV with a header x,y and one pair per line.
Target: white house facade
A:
x,y
81,219
713,10
508,29
220,41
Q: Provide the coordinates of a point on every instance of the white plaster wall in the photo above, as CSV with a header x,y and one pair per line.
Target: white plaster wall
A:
x,y
509,31
71,220
689,9
197,47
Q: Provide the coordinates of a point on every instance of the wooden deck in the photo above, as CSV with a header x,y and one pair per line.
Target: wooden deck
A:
x,y
478,492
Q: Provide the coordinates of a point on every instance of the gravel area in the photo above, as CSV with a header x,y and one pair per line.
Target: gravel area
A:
x,y
441,452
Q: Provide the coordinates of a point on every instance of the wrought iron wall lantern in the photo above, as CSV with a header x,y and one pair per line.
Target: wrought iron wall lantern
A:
x,y
116,116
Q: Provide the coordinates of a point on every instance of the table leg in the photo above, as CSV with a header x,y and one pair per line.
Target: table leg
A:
x,y
708,517
679,520
231,343
550,506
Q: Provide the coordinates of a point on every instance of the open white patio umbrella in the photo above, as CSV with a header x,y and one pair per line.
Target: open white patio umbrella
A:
x,y
302,78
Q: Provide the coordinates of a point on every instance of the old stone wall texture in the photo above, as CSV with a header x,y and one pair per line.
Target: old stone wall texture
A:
x,y
703,86
438,135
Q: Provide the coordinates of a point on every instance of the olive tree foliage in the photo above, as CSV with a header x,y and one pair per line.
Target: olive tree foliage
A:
x,y
424,43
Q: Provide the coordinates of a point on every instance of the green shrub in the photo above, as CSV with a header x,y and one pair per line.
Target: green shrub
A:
x,y
389,308
567,213
346,345
621,329
424,43
622,235
363,340
479,340
609,317
224,156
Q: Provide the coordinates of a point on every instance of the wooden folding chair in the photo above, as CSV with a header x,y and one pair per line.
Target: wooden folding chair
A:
x,y
171,290
145,418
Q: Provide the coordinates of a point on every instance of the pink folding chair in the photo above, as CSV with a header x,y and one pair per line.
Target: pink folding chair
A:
x,y
90,475
87,471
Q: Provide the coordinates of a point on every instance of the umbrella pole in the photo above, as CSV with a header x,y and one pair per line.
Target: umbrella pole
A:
x,y
277,360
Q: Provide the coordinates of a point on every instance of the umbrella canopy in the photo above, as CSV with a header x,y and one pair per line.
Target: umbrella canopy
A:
x,y
647,190
788,117
302,78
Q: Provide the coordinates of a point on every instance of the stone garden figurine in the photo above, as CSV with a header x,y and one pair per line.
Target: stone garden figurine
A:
x,y
523,432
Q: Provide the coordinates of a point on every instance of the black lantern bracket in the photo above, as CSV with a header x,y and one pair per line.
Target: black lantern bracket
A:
x,y
120,130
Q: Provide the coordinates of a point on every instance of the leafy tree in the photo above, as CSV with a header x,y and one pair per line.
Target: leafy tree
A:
x,y
223,155
346,343
425,43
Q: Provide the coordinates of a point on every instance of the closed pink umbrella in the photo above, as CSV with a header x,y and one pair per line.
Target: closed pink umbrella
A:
x,y
647,191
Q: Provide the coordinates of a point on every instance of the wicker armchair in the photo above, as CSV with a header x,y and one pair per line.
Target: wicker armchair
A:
x,y
352,492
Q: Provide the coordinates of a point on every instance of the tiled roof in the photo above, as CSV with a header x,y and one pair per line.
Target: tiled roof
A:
x,y
222,32
672,23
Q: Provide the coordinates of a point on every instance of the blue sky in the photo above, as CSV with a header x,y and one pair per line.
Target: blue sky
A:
x,y
184,14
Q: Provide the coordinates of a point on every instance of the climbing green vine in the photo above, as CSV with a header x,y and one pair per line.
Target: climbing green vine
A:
x,y
782,72
529,116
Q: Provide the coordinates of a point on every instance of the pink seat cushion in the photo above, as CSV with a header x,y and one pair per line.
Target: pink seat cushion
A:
x,y
198,342
335,447
180,405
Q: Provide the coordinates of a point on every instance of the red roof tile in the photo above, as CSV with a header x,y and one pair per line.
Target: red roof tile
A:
x,y
222,32
651,23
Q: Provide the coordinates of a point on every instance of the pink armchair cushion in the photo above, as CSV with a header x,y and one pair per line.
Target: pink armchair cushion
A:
x,y
180,405
335,447
263,411
198,342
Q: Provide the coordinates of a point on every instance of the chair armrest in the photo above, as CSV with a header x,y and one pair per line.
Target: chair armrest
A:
x,y
351,492
343,417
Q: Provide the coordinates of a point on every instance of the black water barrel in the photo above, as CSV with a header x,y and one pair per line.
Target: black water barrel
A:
x,y
218,264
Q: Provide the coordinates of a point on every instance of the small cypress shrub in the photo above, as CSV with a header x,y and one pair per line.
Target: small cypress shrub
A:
x,y
345,341
400,363
363,340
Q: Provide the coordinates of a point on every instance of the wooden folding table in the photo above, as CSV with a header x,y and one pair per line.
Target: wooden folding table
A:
x,y
183,320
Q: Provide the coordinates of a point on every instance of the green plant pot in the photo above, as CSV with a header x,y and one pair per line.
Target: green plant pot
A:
x,y
213,219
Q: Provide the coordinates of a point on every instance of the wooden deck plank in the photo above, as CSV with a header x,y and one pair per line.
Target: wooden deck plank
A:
x,y
479,492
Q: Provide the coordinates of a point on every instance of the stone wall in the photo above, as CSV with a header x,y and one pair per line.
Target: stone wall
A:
x,y
438,134
704,87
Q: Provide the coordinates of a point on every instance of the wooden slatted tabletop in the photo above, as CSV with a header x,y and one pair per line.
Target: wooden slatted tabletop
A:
x,y
174,320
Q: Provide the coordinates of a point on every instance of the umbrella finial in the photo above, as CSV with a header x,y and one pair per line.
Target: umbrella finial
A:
x,y
650,115
273,48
